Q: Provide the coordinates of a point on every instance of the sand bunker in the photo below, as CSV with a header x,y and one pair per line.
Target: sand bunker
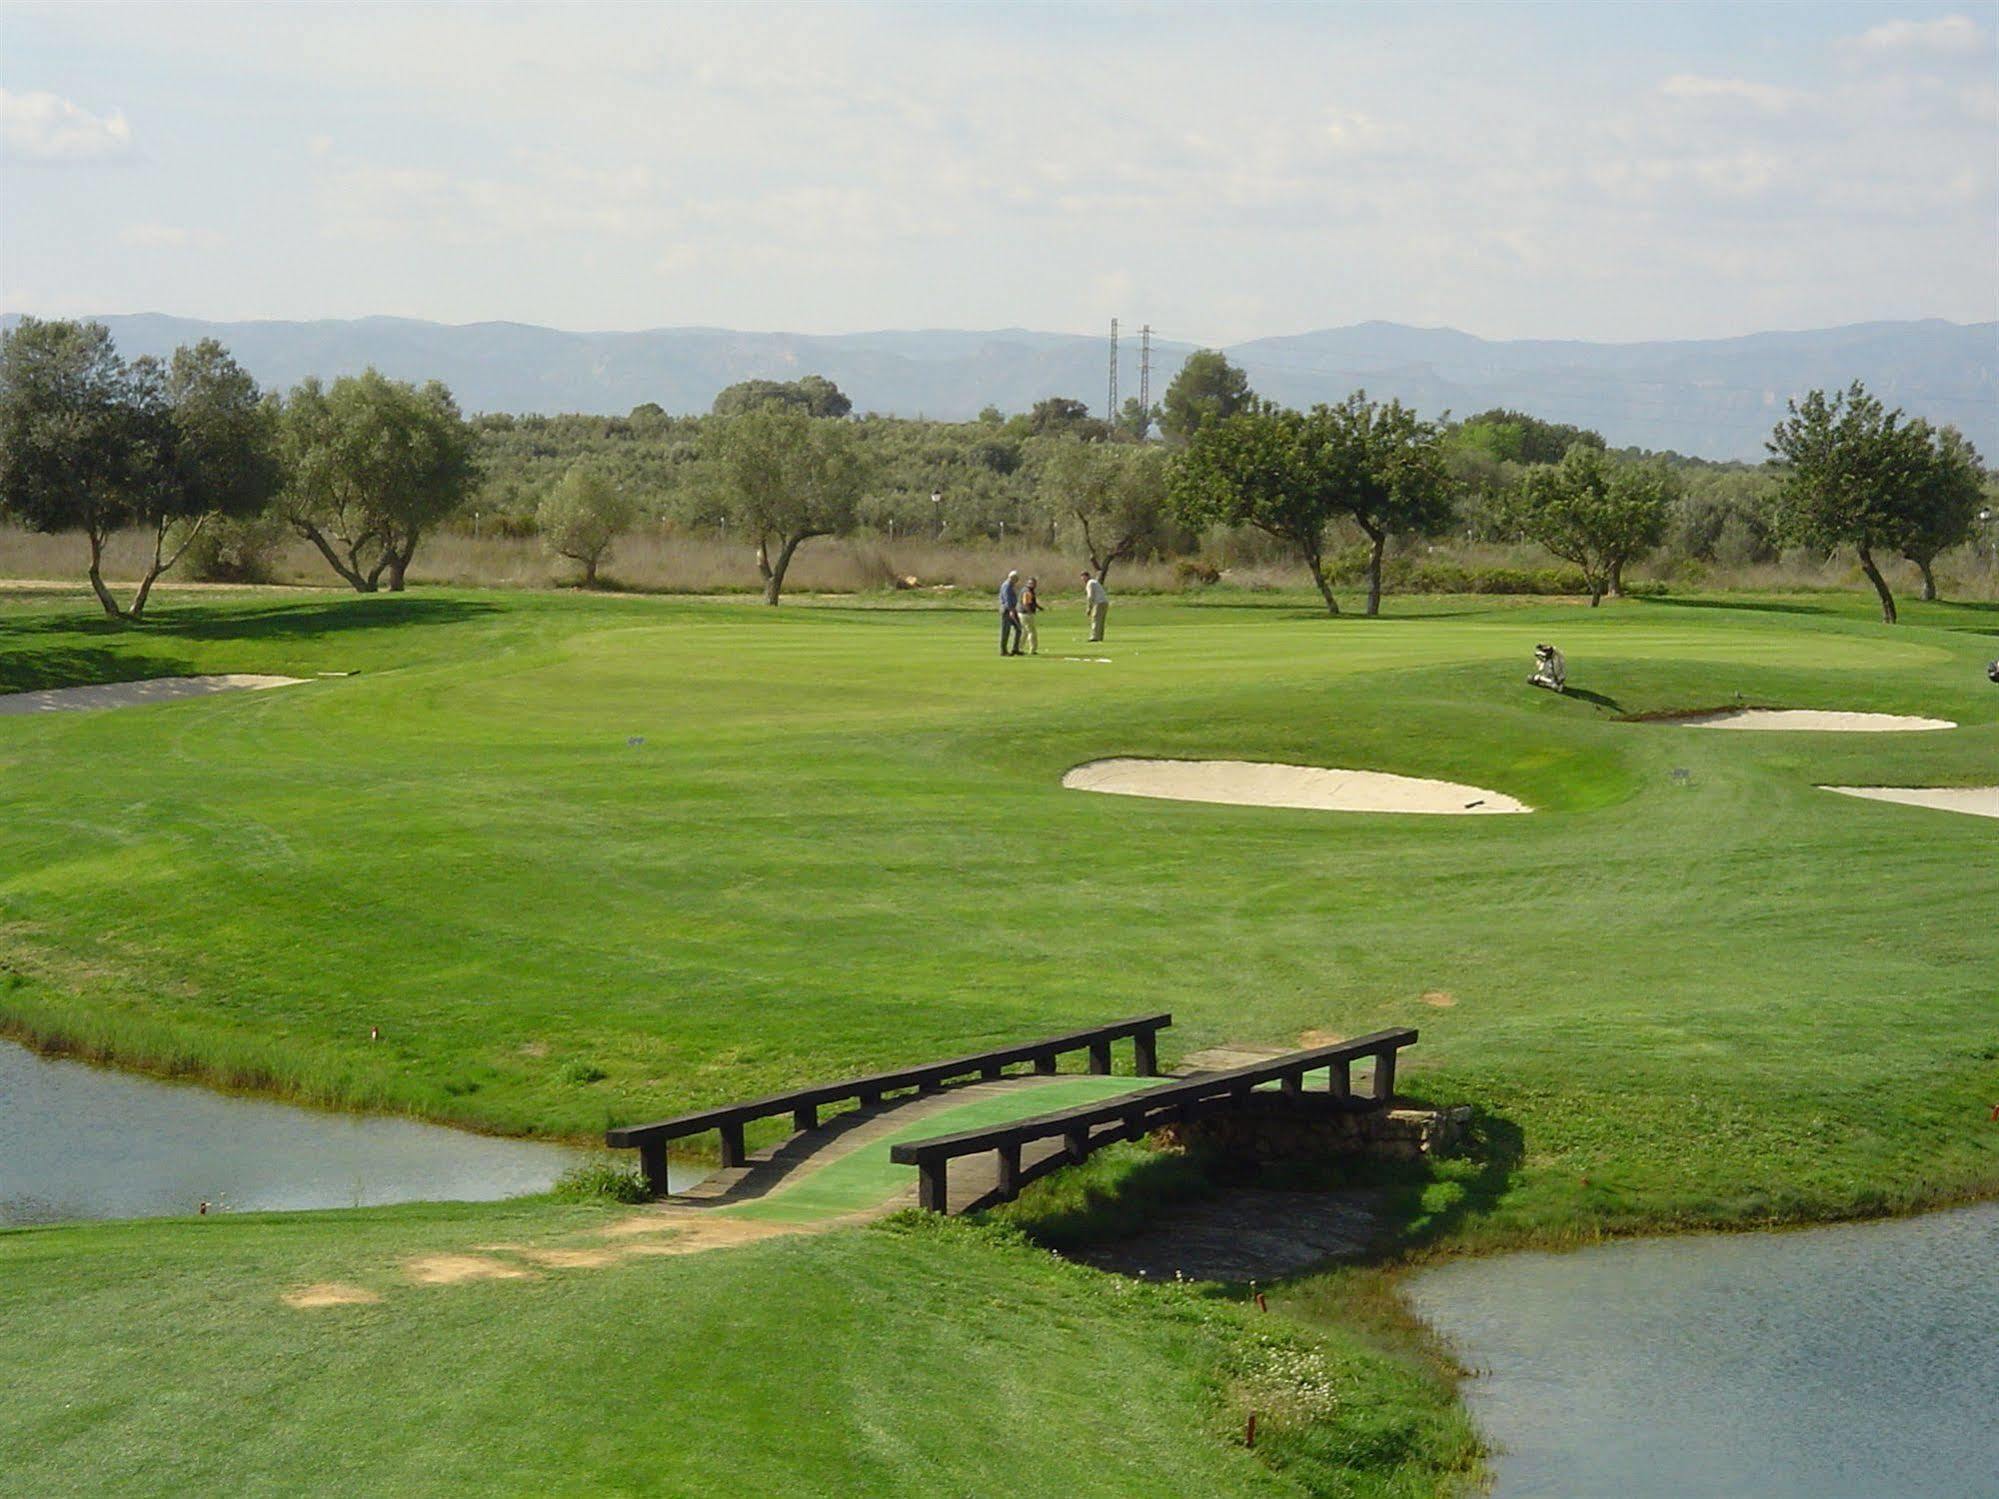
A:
x,y
1976,801
1813,720
1250,783
133,694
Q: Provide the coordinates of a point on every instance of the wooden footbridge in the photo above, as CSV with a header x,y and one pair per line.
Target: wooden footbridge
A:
x,y
1002,1155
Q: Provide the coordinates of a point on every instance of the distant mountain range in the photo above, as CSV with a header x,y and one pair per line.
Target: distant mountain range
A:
x,y
1716,398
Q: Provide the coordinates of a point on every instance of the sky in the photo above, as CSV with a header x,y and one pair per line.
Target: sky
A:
x,y
1223,172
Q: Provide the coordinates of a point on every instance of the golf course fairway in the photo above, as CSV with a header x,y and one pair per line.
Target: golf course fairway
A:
x,y
590,860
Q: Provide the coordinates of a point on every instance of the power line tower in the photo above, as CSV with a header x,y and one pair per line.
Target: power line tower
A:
x,y
1110,410
1144,379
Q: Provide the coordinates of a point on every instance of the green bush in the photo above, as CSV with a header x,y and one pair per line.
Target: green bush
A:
x,y
235,551
578,1071
602,1181
1197,570
1111,1195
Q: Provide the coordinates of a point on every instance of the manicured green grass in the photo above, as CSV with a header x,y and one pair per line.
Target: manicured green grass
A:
x,y
842,844
939,1359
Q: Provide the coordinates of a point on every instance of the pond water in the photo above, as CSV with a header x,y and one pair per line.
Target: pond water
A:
x,y
78,1141
1841,1363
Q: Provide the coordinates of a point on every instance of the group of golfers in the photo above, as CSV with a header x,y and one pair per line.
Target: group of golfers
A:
x,y
1020,607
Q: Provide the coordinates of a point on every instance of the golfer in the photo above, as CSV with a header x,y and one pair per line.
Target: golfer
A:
x,y
1030,605
1098,603
1009,607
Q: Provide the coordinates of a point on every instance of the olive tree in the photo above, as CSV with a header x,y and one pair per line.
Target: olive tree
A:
x,y
372,465
1259,468
1114,492
582,515
782,478
1387,468
1945,497
1854,475
91,443
1594,512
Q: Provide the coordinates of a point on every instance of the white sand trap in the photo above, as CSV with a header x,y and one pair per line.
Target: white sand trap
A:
x,y
1813,720
133,694
1977,801
1250,783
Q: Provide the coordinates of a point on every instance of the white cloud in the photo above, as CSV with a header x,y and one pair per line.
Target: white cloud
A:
x,y
167,237
1950,36
49,129
1767,97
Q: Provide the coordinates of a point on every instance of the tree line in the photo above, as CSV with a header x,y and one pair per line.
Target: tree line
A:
x,y
189,450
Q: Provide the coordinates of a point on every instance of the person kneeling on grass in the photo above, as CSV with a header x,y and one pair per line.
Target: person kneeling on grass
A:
x,y
1550,670
1009,607
1030,605
1098,603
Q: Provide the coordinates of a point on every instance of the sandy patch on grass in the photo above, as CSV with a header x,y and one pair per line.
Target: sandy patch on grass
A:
x,y
1813,720
135,694
1319,1038
1440,998
330,1293
1974,801
575,1259
1252,783
456,1269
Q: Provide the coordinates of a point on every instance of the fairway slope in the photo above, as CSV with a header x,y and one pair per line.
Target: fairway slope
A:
x,y
1249,783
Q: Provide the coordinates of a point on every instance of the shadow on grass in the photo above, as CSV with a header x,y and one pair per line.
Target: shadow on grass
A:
x,y
1429,1199
1597,698
33,671
277,621
1747,606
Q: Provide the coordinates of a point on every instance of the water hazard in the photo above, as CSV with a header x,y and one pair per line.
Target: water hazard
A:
x,y
83,1142
1838,1363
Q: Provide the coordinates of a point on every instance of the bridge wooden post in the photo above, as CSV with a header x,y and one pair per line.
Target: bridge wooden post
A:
x,y
1009,1170
1291,1084
652,1161
1145,1053
990,1072
1044,1063
1339,1079
732,1142
805,1116
1384,1078
1100,1057
932,1186
1076,1143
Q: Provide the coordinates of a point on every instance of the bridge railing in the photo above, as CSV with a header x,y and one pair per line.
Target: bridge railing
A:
x,y
803,1104
1135,1115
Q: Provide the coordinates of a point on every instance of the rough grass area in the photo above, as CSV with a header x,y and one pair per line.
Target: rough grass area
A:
x,y
921,1358
1110,1195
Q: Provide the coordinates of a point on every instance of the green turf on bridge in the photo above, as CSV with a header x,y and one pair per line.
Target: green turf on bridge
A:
x,y
864,1177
